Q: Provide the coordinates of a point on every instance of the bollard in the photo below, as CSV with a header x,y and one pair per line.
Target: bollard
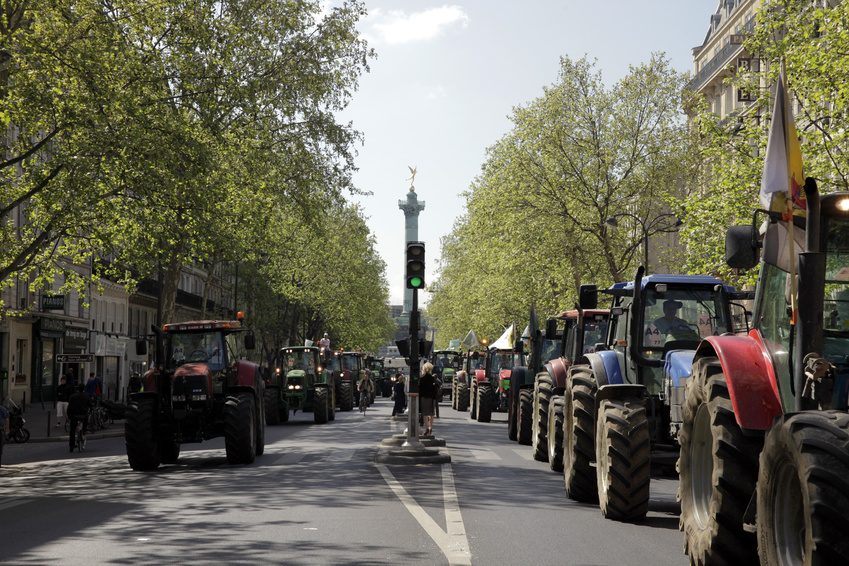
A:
x,y
24,403
49,420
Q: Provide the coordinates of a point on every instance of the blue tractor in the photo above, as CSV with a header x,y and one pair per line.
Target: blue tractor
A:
x,y
623,402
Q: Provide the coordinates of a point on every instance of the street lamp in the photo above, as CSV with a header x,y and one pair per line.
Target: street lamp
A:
x,y
646,229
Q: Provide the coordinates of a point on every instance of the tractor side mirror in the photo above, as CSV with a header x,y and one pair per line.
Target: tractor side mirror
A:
x,y
741,247
250,342
588,297
141,347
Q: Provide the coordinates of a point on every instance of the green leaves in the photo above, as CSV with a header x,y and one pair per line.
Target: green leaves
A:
x,y
535,225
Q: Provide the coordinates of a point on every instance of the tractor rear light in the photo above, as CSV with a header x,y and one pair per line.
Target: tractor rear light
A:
x,y
179,398
199,397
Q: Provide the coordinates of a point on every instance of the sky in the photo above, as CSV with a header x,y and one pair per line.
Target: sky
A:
x,y
448,76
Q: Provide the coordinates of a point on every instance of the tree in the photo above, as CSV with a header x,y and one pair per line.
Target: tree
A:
x,y
535,225
145,133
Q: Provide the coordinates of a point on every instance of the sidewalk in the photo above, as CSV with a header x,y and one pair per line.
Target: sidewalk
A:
x,y
41,424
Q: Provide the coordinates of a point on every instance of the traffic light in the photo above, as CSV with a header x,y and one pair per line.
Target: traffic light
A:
x,y
415,265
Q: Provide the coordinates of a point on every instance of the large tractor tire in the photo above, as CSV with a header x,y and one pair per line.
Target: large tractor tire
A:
x,y
542,396
623,452
473,401
717,471
517,379
319,405
803,493
525,427
463,397
579,474
555,433
240,428
331,404
346,389
272,406
486,402
140,435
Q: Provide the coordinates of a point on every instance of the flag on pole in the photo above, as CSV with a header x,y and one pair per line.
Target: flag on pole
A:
x,y
783,175
505,341
470,341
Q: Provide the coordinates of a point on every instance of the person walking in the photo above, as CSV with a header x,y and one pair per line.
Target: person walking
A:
x,y
63,395
94,386
78,408
4,429
398,395
427,396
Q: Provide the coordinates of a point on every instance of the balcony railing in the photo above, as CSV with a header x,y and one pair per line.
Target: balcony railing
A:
x,y
720,60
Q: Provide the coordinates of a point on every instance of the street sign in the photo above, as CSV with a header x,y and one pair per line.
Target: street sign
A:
x,y
75,358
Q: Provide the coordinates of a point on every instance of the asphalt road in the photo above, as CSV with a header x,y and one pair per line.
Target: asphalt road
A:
x,y
318,497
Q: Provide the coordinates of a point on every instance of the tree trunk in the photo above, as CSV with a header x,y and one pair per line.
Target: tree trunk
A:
x,y
171,282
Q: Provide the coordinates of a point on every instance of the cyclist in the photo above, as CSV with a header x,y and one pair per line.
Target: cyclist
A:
x,y
78,407
366,388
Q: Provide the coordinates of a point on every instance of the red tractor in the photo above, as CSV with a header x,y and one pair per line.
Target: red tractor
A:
x,y
461,385
198,388
764,456
490,385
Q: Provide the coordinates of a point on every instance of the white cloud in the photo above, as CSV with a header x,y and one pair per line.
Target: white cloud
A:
x,y
395,26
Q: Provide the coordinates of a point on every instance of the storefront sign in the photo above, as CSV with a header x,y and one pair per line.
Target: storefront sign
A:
x,y
54,303
50,327
109,345
75,340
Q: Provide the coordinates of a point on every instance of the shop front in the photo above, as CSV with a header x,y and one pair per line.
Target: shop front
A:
x,y
47,332
109,352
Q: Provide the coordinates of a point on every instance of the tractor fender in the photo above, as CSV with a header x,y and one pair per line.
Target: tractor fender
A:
x,y
480,375
558,369
618,391
248,375
605,366
678,365
751,380
321,385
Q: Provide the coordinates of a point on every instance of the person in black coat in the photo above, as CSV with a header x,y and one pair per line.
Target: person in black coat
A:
x,y
398,395
427,396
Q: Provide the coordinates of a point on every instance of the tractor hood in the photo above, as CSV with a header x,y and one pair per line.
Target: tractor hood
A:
x,y
192,368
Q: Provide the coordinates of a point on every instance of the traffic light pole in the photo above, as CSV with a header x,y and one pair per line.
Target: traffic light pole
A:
x,y
413,414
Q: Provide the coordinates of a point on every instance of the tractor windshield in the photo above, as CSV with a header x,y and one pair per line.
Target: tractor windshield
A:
x,y
350,362
683,314
595,332
298,360
443,360
333,363
549,350
836,306
188,347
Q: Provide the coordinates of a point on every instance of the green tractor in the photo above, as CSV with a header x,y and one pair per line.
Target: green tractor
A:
x,y
381,376
446,363
300,383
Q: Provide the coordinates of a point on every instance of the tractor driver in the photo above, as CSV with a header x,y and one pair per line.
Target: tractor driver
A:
x,y
672,326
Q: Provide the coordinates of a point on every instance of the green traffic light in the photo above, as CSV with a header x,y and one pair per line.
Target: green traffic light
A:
x,y
416,282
